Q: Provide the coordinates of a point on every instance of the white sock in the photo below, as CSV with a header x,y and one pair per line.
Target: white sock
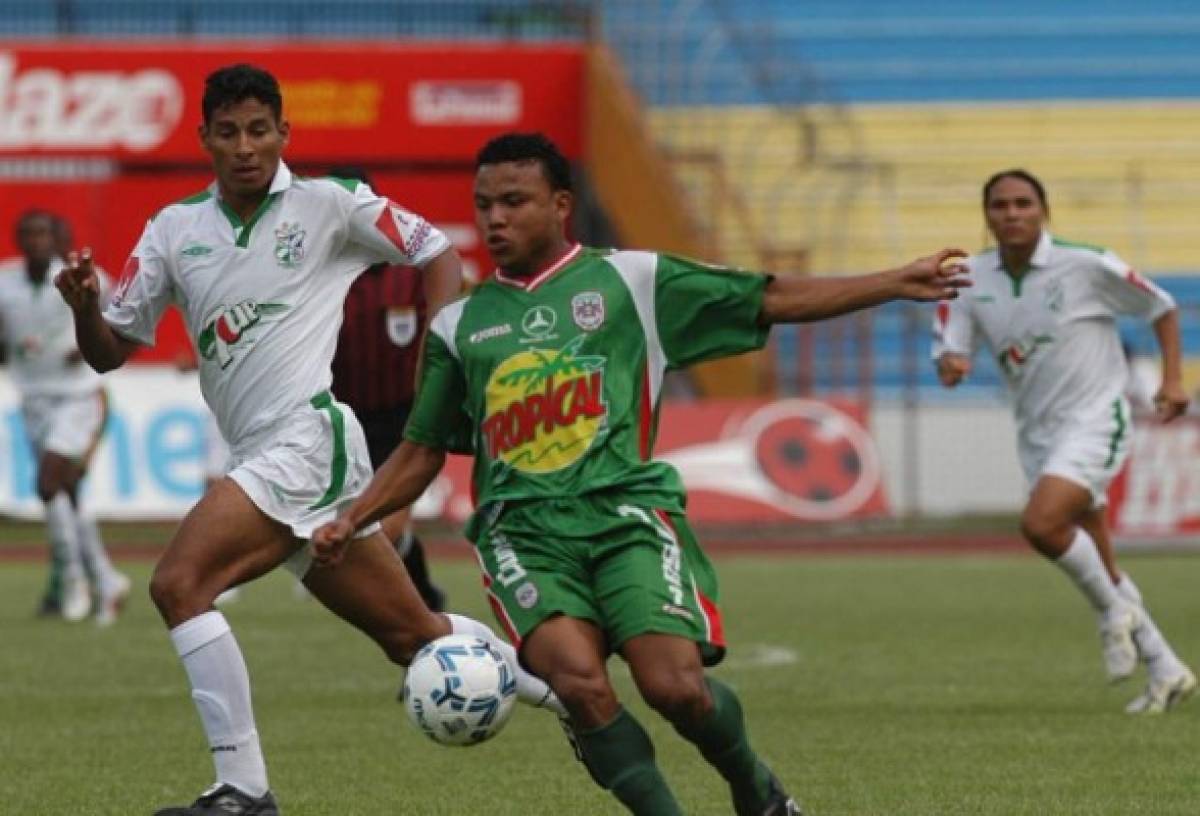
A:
x,y
64,535
221,691
530,689
91,549
1082,563
1156,652
1129,590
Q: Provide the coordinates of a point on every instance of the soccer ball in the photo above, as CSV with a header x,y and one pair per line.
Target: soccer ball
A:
x,y
459,690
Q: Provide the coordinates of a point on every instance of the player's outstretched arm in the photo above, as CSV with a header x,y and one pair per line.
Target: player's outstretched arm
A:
x,y
397,484
803,299
1171,399
79,284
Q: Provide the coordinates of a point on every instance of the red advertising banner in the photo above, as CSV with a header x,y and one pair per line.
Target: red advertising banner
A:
x,y
105,134
410,103
750,461
1158,492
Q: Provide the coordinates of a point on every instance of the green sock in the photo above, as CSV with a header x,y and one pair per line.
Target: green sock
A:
x,y
620,758
721,738
54,578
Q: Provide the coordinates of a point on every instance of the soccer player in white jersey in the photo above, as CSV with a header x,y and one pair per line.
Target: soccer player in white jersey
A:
x,y
64,409
259,264
1047,310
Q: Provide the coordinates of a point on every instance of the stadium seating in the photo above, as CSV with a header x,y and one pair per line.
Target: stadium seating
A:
x,y
34,19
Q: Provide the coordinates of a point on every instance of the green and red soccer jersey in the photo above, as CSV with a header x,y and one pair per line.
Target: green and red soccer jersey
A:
x,y
554,382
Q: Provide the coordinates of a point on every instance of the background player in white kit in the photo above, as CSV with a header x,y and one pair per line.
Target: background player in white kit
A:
x,y
64,409
260,264
1047,309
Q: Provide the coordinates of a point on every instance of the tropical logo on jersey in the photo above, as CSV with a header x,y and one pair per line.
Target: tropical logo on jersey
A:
x,y
228,325
545,407
1014,357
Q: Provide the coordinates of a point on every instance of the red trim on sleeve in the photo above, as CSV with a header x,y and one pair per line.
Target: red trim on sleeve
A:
x,y
386,223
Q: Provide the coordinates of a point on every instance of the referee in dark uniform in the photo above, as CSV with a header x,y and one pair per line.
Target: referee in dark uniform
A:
x,y
374,372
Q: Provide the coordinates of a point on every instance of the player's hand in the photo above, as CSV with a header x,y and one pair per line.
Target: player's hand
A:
x,y
1170,401
78,281
952,369
329,542
934,277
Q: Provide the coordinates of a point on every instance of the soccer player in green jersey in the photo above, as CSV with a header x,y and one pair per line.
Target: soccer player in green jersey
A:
x,y
550,373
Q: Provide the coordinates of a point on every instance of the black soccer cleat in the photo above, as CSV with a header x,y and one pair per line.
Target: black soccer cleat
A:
x,y
225,800
50,607
778,803
418,570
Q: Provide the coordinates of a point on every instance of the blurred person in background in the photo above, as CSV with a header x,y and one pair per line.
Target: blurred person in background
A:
x,y
64,408
375,372
260,264
1046,309
550,373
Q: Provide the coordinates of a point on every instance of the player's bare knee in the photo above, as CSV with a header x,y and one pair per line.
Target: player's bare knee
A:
x,y
679,696
588,696
49,485
1044,532
177,594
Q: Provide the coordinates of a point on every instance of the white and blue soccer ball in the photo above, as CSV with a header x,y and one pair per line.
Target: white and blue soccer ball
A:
x,y
459,690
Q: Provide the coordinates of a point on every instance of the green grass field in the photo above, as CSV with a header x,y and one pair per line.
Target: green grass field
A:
x,y
902,685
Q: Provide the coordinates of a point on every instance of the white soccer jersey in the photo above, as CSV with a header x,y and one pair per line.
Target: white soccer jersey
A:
x,y
37,329
1052,330
262,299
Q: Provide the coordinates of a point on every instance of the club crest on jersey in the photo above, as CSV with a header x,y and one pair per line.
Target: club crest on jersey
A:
x,y
544,408
538,323
401,325
227,325
289,244
587,310
1055,297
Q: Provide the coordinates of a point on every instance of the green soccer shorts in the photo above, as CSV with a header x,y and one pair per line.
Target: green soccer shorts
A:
x,y
629,568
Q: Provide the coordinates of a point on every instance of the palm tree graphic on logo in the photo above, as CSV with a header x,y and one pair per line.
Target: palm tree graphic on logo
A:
x,y
565,362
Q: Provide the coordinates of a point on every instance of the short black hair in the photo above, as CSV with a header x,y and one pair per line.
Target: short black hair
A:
x,y
235,83
524,147
1023,175
34,214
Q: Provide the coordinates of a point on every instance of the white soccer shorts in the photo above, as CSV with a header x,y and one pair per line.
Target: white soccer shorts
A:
x,y
67,424
1090,453
312,465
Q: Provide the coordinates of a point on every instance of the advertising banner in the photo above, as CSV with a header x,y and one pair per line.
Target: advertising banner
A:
x,y
741,461
754,461
412,103
1157,495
